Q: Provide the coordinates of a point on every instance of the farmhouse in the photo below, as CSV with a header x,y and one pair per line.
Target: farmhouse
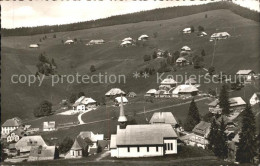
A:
x,y
245,74
121,99
39,153
84,104
181,61
24,145
98,41
142,140
186,48
16,135
131,94
143,37
185,91
33,45
168,82
219,35
115,92
186,30
10,125
151,92
49,126
126,43
201,34
255,98
85,143
69,41
235,103
199,135
163,118
127,39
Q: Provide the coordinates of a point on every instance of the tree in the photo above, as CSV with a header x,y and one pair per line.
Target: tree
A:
x,y
73,98
44,109
192,29
165,54
201,28
221,149
53,62
213,134
147,58
54,36
246,147
43,59
211,70
203,53
193,117
92,68
81,94
65,145
224,100
155,34
198,61
40,40
154,55
206,16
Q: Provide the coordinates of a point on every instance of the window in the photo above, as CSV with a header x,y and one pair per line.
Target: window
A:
x,y
171,146
128,149
138,149
157,148
168,144
147,148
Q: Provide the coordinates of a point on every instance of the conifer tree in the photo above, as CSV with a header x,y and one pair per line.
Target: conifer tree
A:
x,y
224,100
193,117
213,134
221,147
246,147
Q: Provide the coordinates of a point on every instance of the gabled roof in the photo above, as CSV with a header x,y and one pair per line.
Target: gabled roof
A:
x,y
145,134
89,134
76,145
186,29
186,48
180,59
20,131
244,72
84,100
42,152
14,122
168,81
69,41
151,91
143,36
131,94
126,42
225,118
114,91
190,81
184,89
201,128
218,34
235,101
25,143
257,94
163,117
118,99
127,39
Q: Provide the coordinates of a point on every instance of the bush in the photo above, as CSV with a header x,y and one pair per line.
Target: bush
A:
x,y
44,109
92,68
147,58
65,145
73,98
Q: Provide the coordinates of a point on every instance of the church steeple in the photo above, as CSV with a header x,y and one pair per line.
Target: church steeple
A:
x,y
122,118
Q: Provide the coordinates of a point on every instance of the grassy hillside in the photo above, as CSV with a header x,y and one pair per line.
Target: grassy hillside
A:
x,y
241,51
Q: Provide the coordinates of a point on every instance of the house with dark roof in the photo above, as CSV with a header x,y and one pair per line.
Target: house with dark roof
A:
x,y
10,125
115,92
235,103
163,118
185,91
131,94
255,98
84,104
24,145
142,140
39,153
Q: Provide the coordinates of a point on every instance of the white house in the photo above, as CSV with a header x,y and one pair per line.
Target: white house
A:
x,y
219,35
127,39
10,125
34,45
185,90
85,141
163,118
126,43
84,104
119,99
49,126
151,92
69,41
181,61
143,37
186,30
199,135
185,48
245,74
98,41
201,34
255,98
115,92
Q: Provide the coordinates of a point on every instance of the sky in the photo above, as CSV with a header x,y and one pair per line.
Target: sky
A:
x,y
41,12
